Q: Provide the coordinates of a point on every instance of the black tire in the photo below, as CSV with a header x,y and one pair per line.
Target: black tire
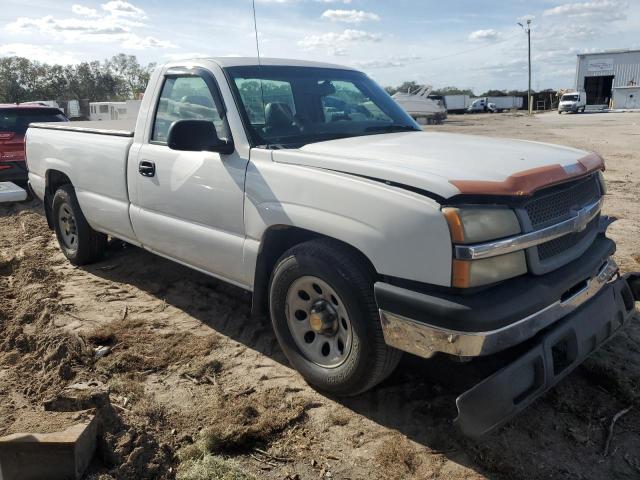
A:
x,y
369,360
89,245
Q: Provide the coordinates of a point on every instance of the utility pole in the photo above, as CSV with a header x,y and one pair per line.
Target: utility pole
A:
x,y
527,30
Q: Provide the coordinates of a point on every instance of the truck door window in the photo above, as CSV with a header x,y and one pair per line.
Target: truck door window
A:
x,y
184,98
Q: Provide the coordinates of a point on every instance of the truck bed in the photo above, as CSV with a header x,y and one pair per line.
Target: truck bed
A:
x,y
118,128
94,156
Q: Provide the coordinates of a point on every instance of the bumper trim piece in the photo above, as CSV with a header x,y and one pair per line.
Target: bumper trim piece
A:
x,y
577,223
425,340
561,349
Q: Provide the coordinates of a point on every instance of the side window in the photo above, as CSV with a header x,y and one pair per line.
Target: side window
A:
x,y
184,98
104,108
274,91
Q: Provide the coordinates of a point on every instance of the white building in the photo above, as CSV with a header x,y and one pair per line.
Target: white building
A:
x,y
598,74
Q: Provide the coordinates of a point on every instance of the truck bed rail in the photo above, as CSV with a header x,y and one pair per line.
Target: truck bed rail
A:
x,y
118,128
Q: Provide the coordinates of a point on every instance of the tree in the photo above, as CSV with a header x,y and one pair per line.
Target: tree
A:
x,y
127,68
494,93
120,78
453,91
11,89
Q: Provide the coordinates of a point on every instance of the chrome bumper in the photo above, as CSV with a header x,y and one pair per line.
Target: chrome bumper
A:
x,y
425,340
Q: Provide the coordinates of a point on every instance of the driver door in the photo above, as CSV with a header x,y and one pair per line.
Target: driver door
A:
x,y
190,204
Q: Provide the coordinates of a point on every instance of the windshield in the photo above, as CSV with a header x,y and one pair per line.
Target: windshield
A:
x,y
292,106
569,98
17,120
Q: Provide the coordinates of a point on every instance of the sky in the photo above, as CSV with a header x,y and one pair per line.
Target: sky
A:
x,y
473,44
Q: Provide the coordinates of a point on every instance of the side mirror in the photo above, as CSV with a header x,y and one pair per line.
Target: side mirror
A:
x,y
197,136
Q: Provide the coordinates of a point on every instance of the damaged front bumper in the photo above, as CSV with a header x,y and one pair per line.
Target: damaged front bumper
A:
x,y
556,353
565,315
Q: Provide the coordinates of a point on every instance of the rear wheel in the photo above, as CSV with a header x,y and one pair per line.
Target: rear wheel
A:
x,y
78,241
326,320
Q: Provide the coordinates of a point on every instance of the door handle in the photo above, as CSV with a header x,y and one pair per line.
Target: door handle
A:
x,y
146,168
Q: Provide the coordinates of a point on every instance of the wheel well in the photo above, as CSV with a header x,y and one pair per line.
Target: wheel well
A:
x,y
275,241
54,180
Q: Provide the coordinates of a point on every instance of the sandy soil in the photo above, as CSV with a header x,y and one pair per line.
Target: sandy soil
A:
x,y
190,372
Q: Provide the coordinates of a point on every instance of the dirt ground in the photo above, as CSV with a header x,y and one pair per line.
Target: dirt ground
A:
x,y
199,390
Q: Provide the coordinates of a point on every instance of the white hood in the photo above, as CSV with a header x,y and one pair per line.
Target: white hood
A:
x,y
430,161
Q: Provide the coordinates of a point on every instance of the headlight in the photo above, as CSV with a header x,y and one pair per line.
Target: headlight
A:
x,y
479,224
476,224
474,273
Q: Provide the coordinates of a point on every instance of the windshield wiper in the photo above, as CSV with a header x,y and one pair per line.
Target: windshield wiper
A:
x,y
392,128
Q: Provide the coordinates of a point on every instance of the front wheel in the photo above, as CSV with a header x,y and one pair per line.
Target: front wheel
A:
x,y
326,320
80,243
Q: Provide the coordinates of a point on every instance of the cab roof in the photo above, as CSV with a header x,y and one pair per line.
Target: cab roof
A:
x,y
253,61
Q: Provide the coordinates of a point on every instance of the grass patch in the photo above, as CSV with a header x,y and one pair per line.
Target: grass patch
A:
x,y
204,368
239,423
210,467
338,417
140,348
128,386
398,458
156,413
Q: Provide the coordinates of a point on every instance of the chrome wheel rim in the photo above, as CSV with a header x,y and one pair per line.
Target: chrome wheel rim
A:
x,y
67,226
319,322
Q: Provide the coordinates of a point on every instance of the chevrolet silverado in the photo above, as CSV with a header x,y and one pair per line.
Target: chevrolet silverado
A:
x,y
361,235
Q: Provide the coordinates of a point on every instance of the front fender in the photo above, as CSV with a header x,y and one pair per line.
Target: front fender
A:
x,y
402,233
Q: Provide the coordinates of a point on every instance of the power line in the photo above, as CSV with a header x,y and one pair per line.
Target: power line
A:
x,y
466,51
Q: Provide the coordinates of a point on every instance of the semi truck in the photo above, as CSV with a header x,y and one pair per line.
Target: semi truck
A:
x,y
359,234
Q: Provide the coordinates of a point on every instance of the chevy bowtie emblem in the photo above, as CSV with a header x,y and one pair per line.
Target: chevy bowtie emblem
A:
x,y
581,219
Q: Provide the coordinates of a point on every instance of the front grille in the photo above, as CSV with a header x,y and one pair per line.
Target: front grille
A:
x,y
561,245
556,204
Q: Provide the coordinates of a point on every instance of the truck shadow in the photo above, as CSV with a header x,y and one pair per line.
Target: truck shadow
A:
x,y
559,436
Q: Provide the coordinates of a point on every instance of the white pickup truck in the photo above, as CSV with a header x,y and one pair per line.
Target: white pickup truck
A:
x,y
361,235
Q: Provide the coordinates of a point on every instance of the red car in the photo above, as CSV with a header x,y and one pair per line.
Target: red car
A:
x,y
14,120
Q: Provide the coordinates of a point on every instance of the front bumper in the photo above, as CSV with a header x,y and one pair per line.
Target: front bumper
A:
x,y
495,319
568,108
556,353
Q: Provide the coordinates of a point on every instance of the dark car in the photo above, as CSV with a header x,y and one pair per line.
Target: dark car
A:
x,y
14,120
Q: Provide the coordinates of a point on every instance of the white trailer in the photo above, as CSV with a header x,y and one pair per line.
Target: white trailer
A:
x,y
506,103
99,111
457,103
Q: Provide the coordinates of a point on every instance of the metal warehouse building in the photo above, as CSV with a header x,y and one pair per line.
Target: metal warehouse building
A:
x,y
603,74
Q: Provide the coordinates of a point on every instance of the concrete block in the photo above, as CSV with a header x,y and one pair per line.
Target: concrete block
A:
x,y
63,455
